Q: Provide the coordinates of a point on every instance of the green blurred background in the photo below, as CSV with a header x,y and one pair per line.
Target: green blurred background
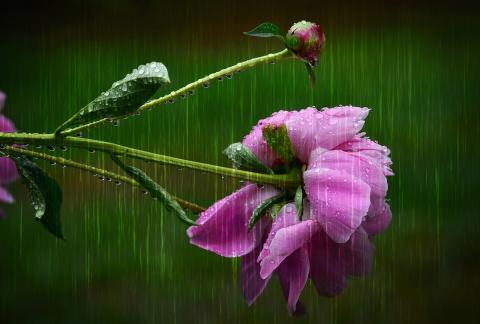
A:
x,y
127,261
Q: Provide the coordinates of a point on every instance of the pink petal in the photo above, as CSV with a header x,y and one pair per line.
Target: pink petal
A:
x,y
223,228
252,283
365,147
8,170
5,196
285,239
6,125
310,128
331,262
379,217
293,275
338,200
359,166
255,142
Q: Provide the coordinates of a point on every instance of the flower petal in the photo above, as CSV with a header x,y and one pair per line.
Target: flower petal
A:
x,y
8,170
223,228
286,236
359,166
378,219
366,147
331,262
338,200
5,196
6,125
252,284
311,128
293,275
254,140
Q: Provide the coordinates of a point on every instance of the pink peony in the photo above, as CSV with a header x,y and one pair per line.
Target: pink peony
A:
x,y
8,171
306,40
345,185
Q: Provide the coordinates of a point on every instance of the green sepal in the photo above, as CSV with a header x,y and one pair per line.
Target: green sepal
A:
x,y
299,202
276,208
244,159
155,190
266,29
124,96
45,193
278,140
311,74
260,210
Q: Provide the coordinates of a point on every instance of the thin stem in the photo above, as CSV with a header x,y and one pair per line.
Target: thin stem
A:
x,y
227,72
94,170
279,180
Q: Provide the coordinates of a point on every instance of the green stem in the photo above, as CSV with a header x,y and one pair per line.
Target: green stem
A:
x,y
227,72
93,170
291,180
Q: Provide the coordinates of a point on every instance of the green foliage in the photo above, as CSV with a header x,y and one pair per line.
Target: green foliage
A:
x,y
124,97
311,73
155,190
264,206
45,193
244,159
266,29
299,201
278,140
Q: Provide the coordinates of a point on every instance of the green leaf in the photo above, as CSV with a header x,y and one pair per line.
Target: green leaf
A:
x,y
244,159
299,201
263,207
276,208
155,190
278,140
45,193
124,97
266,29
311,73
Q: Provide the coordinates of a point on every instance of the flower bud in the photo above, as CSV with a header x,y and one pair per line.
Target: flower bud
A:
x,y
306,40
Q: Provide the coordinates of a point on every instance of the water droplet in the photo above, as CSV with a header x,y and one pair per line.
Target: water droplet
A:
x,y
145,192
183,96
53,162
38,146
172,100
220,78
109,179
206,85
229,76
63,166
115,123
191,92
51,148
79,134
101,178
118,183
91,151
63,148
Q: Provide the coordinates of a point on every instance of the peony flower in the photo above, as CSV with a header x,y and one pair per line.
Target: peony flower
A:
x,y
345,185
8,171
306,40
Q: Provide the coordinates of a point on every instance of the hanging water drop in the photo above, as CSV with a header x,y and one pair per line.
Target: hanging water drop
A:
x,y
63,148
51,148
191,92
206,85
91,151
229,76
118,183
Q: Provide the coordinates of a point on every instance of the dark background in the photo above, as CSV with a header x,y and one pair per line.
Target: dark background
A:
x,y
127,260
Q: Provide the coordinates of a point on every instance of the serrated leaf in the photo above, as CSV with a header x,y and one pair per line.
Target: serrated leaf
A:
x,y
124,96
155,190
244,159
299,201
311,74
266,29
45,193
278,140
260,210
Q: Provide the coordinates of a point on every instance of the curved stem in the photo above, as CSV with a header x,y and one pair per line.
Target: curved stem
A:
x,y
280,180
227,72
100,172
